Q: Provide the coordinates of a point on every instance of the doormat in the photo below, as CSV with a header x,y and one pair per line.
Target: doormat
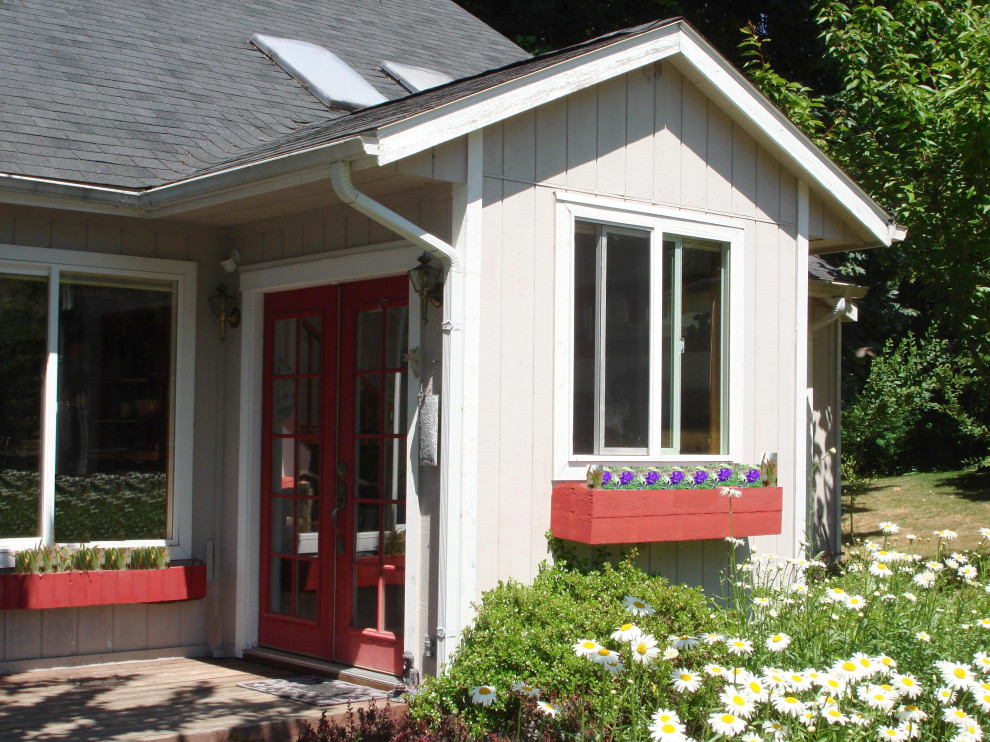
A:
x,y
315,690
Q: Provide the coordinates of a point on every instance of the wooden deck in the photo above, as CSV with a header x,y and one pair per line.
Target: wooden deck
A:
x,y
174,700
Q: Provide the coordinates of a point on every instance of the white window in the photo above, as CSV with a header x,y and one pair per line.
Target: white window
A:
x,y
646,308
95,399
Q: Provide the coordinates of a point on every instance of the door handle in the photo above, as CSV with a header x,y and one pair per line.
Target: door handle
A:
x,y
341,501
339,539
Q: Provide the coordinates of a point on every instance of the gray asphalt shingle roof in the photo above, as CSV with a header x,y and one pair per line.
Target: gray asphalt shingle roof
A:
x,y
145,92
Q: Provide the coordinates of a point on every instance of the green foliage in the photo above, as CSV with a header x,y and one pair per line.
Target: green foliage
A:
x,y
525,633
914,412
57,558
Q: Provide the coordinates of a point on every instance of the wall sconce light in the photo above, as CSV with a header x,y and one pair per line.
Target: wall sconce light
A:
x,y
224,306
427,281
233,262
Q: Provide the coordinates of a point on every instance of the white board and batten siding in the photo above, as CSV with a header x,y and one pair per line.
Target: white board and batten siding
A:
x,y
37,638
649,137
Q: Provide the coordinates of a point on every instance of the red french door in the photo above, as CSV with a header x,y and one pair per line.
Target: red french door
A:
x,y
333,472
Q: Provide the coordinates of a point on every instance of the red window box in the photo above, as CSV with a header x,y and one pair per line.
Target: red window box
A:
x,y
75,589
597,516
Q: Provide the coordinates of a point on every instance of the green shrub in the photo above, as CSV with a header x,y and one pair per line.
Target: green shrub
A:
x,y
526,632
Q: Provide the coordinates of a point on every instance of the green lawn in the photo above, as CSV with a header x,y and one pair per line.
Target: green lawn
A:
x,y
920,504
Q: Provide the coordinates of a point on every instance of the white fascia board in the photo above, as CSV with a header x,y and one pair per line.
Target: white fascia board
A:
x,y
271,174
739,97
820,288
457,118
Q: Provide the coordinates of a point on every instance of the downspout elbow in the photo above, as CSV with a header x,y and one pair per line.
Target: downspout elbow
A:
x,y
343,186
838,309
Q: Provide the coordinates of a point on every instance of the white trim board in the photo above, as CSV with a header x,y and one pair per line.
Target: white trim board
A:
x,y
682,45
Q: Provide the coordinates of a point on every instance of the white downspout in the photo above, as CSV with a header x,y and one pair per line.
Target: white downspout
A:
x,y
449,577
838,309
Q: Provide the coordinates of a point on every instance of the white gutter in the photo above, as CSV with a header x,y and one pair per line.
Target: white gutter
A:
x,y
838,310
270,174
452,541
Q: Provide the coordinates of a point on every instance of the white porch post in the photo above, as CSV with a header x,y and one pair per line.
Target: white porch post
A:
x,y
801,448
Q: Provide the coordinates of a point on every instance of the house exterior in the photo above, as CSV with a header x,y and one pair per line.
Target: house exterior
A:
x,y
355,463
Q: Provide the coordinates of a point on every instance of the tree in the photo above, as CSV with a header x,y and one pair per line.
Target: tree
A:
x,y
911,123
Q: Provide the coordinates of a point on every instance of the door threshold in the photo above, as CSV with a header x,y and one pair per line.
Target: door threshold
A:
x,y
313,666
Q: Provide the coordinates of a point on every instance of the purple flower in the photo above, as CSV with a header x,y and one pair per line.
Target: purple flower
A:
x,y
652,477
676,477
753,475
724,473
625,478
700,476
606,477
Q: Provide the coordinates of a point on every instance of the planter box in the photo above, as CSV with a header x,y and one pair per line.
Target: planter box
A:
x,y
637,516
75,589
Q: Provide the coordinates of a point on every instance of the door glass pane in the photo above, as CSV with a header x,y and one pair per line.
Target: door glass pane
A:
x,y
281,541
365,613
307,527
280,586
368,469
395,530
310,344
283,466
309,468
395,469
585,324
23,354
366,530
115,348
395,406
309,406
307,588
369,340
626,386
285,347
396,336
369,403
395,601
701,364
284,407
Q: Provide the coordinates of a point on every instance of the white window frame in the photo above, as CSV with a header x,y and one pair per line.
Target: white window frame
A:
x,y
51,263
660,221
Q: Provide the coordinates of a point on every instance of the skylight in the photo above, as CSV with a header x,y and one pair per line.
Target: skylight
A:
x,y
325,74
415,79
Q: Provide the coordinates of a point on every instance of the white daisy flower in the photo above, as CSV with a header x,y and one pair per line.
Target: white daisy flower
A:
x,y
685,681
969,732
956,674
586,647
867,666
833,715
848,670
799,587
946,534
880,569
968,572
955,715
526,689
627,632
761,602
712,638
716,671
735,702
887,527
985,533
547,708
906,685
858,719
945,696
483,694
983,623
778,642
833,685
912,713
959,557
612,664
730,491
885,663
750,737
797,681
754,689
774,678
788,705
726,723
637,607
892,734
855,602
739,646
924,579
982,661
665,715
910,597
876,697
603,655
934,566
644,649
667,731
670,653
836,594
684,641
923,636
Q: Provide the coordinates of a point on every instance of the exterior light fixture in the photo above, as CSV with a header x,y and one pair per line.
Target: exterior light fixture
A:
x,y
427,281
224,306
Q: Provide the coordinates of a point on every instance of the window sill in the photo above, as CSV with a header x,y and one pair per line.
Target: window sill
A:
x,y
111,587
646,516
